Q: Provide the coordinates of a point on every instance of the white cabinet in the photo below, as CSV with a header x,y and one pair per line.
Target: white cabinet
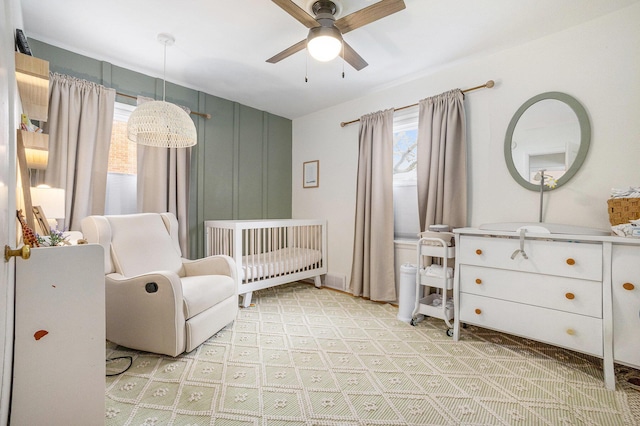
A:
x,y
59,358
575,291
625,286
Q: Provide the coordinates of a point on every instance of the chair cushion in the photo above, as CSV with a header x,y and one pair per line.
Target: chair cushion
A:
x,y
140,243
204,291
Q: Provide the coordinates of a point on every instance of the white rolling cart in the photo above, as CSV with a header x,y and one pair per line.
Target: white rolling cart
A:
x,y
437,274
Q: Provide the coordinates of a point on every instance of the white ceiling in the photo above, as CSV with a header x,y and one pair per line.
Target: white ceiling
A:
x,y
221,46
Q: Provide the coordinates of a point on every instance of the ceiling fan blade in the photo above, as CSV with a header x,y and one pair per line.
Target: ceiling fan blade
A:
x,y
297,12
369,14
352,57
288,52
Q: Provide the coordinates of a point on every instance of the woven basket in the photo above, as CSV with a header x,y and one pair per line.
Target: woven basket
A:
x,y
623,210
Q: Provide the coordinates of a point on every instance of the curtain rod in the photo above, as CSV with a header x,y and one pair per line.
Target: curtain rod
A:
x,y
192,112
489,84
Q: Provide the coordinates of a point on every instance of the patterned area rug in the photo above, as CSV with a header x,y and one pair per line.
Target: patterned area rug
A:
x,y
303,356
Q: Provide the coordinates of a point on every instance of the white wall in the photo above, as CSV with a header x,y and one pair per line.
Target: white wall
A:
x,y
598,63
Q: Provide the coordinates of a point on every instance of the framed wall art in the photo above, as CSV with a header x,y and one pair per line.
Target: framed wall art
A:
x,y
311,174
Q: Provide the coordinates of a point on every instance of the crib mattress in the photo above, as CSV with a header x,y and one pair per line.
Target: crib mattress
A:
x,y
278,262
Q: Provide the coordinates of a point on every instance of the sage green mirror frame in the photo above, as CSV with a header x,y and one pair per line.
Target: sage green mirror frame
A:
x,y
585,138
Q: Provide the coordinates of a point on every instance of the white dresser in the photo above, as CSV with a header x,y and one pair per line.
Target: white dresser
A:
x,y
579,292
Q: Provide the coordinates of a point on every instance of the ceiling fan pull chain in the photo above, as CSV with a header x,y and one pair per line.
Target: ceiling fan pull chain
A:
x,y
306,68
343,61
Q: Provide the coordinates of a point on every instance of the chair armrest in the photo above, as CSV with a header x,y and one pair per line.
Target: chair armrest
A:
x,y
211,265
143,315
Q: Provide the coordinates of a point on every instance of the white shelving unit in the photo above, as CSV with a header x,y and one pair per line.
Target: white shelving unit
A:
x,y
437,247
59,355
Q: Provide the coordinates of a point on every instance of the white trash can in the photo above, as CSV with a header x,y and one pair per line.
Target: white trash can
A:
x,y
407,290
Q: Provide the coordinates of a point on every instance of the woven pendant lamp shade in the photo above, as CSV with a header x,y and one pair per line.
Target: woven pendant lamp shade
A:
x,y
161,124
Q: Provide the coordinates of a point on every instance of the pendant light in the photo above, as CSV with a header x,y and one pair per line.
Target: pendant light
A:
x,y
159,123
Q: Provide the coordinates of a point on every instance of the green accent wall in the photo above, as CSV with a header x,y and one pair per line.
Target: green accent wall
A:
x,y
241,166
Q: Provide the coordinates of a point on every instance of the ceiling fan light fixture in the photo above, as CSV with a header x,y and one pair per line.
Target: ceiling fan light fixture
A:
x,y
324,43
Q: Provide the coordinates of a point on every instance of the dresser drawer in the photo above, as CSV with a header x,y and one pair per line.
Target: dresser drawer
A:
x,y
571,331
566,294
565,259
625,286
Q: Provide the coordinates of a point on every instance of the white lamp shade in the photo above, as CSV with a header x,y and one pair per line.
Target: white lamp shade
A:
x,y
50,199
161,124
324,43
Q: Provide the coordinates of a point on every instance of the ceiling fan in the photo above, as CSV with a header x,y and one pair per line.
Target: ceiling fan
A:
x,y
325,26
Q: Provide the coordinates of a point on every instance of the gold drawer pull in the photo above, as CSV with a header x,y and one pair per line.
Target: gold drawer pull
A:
x,y
571,331
571,261
570,296
628,286
478,281
478,252
478,311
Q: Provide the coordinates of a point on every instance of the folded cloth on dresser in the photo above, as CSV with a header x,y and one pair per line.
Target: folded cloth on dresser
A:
x,y
629,192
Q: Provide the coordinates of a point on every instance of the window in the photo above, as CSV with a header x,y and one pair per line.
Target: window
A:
x,y
122,171
405,191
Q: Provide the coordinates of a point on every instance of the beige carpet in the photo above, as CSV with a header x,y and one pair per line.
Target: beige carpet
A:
x,y
304,356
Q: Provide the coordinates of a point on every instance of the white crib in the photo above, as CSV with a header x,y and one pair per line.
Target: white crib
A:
x,y
270,252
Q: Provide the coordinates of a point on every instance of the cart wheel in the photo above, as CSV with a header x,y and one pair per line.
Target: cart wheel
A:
x,y
413,322
464,325
450,332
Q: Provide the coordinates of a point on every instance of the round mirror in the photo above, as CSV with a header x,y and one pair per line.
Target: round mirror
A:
x,y
551,133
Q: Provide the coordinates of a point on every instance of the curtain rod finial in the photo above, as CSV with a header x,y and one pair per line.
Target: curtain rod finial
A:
x,y
490,84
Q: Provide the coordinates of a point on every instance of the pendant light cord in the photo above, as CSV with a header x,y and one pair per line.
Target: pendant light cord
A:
x,y
164,73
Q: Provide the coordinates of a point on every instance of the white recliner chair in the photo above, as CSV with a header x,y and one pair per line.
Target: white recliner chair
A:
x,y
157,301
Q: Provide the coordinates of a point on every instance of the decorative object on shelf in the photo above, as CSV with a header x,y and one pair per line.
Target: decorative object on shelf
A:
x,y
159,123
21,42
28,235
26,124
54,238
311,174
41,221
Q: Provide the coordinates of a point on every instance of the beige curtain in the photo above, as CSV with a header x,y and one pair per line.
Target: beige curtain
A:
x,y
163,185
442,160
79,127
372,272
